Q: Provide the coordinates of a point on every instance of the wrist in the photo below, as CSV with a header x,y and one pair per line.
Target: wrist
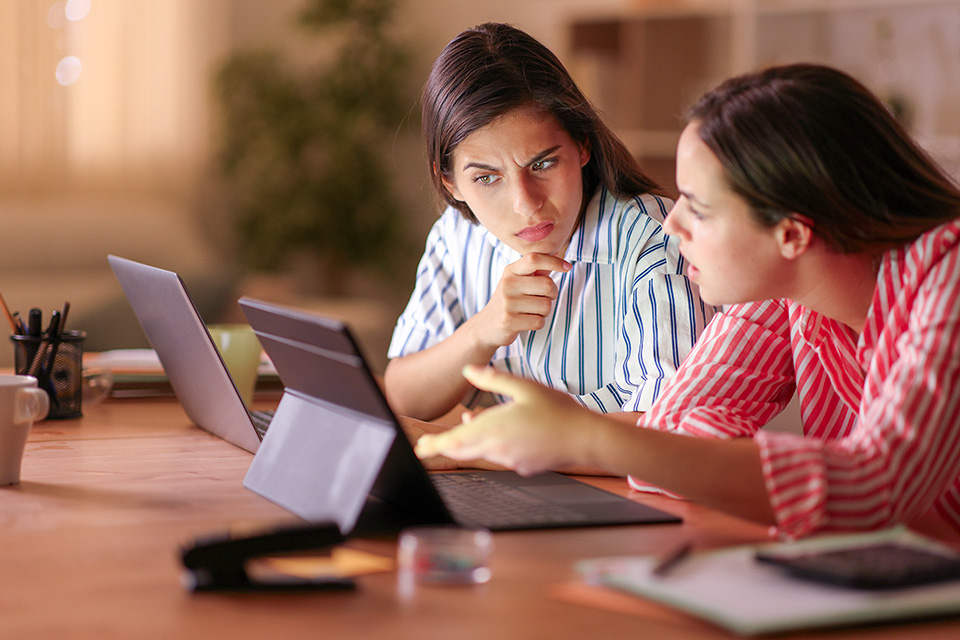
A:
x,y
599,436
480,345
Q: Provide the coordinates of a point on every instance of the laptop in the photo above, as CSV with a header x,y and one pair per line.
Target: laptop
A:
x,y
336,452
188,354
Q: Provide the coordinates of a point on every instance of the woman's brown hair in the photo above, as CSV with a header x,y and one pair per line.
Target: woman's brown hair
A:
x,y
492,69
810,140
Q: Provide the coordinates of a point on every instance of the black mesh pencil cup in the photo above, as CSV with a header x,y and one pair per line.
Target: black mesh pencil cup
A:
x,y
57,364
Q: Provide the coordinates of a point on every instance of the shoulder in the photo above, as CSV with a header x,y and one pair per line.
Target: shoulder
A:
x,y
649,205
453,230
940,244
933,255
637,223
449,223
620,215
630,208
769,313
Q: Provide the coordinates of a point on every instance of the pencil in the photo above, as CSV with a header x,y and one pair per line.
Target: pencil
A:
x,y
670,561
6,311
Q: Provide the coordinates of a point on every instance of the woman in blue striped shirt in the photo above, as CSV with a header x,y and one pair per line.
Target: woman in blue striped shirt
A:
x,y
550,260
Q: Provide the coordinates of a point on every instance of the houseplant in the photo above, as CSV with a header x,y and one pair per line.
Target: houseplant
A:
x,y
304,148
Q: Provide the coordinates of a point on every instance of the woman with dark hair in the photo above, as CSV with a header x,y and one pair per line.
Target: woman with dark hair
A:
x,y
836,242
550,261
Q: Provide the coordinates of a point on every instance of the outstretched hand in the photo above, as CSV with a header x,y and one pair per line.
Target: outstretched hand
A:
x,y
539,429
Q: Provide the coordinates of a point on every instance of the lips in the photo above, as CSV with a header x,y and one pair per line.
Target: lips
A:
x,y
536,233
692,271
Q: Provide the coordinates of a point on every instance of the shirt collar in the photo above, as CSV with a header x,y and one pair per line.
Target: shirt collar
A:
x,y
595,238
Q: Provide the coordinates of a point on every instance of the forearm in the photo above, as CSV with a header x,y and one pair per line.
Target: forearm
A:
x,y
429,383
542,428
722,474
626,417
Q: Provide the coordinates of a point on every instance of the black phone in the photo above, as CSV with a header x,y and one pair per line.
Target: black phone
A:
x,y
885,565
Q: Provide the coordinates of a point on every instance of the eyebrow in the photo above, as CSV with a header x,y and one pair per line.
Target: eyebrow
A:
x,y
487,167
693,198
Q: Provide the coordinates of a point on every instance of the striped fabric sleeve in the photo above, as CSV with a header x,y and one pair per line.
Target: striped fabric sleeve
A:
x,y
737,378
904,455
434,310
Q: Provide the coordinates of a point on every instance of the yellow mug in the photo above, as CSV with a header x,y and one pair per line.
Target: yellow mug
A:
x,y
240,349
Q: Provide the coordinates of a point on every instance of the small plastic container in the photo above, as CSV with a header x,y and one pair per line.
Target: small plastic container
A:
x,y
445,555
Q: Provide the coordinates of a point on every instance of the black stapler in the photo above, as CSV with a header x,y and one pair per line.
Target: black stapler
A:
x,y
219,563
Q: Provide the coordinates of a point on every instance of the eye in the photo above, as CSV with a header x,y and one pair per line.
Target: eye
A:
x,y
683,199
486,179
543,165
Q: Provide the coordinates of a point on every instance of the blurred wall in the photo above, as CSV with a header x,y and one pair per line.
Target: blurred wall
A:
x,y
122,160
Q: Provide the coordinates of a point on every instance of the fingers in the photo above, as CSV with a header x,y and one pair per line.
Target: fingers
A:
x,y
447,444
440,463
532,263
461,444
519,285
490,379
471,440
530,275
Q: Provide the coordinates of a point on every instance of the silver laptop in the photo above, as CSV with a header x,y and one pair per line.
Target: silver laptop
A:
x,y
335,451
188,354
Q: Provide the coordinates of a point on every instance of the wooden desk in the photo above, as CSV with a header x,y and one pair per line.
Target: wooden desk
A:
x,y
90,540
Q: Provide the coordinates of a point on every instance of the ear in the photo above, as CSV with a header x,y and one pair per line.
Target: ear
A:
x,y
451,188
585,152
794,236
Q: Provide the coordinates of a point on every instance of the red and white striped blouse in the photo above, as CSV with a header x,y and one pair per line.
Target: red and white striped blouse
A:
x,y
880,412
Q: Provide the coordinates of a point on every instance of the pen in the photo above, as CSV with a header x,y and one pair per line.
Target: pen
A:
x,y
6,310
48,346
34,319
671,560
53,329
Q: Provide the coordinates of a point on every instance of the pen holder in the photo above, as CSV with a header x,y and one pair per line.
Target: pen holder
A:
x,y
57,364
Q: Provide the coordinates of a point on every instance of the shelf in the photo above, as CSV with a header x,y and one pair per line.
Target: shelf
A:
x,y
775,7
673,9
644,65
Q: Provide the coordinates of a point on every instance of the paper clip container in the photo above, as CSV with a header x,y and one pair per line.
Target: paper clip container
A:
x,y
445,554
57,364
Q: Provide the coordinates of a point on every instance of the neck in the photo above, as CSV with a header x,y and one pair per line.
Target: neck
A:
x,y
841,287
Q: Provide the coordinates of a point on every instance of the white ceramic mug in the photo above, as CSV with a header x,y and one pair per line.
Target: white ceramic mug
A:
x,y
21,402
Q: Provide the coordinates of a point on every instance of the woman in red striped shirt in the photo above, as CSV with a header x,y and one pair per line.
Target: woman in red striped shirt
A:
x,y
835,242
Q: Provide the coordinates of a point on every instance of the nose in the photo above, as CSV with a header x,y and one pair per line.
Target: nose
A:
x,y
528,196
672,224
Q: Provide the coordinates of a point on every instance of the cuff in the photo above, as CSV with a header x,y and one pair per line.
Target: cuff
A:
x,y
796,481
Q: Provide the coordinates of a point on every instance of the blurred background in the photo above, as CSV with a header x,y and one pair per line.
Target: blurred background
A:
x,y
272,148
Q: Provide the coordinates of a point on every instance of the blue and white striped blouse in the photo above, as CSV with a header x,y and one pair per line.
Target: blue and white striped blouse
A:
x,y
625,317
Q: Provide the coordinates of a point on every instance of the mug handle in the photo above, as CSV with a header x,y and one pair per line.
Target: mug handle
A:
x,y
31,404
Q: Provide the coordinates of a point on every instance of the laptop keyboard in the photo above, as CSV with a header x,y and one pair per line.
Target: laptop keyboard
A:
x,y
480,501
261,420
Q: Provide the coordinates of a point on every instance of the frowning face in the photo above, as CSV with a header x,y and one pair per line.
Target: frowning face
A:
x,y
520,175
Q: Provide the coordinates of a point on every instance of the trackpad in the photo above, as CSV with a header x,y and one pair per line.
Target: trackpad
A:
x,y
576,493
